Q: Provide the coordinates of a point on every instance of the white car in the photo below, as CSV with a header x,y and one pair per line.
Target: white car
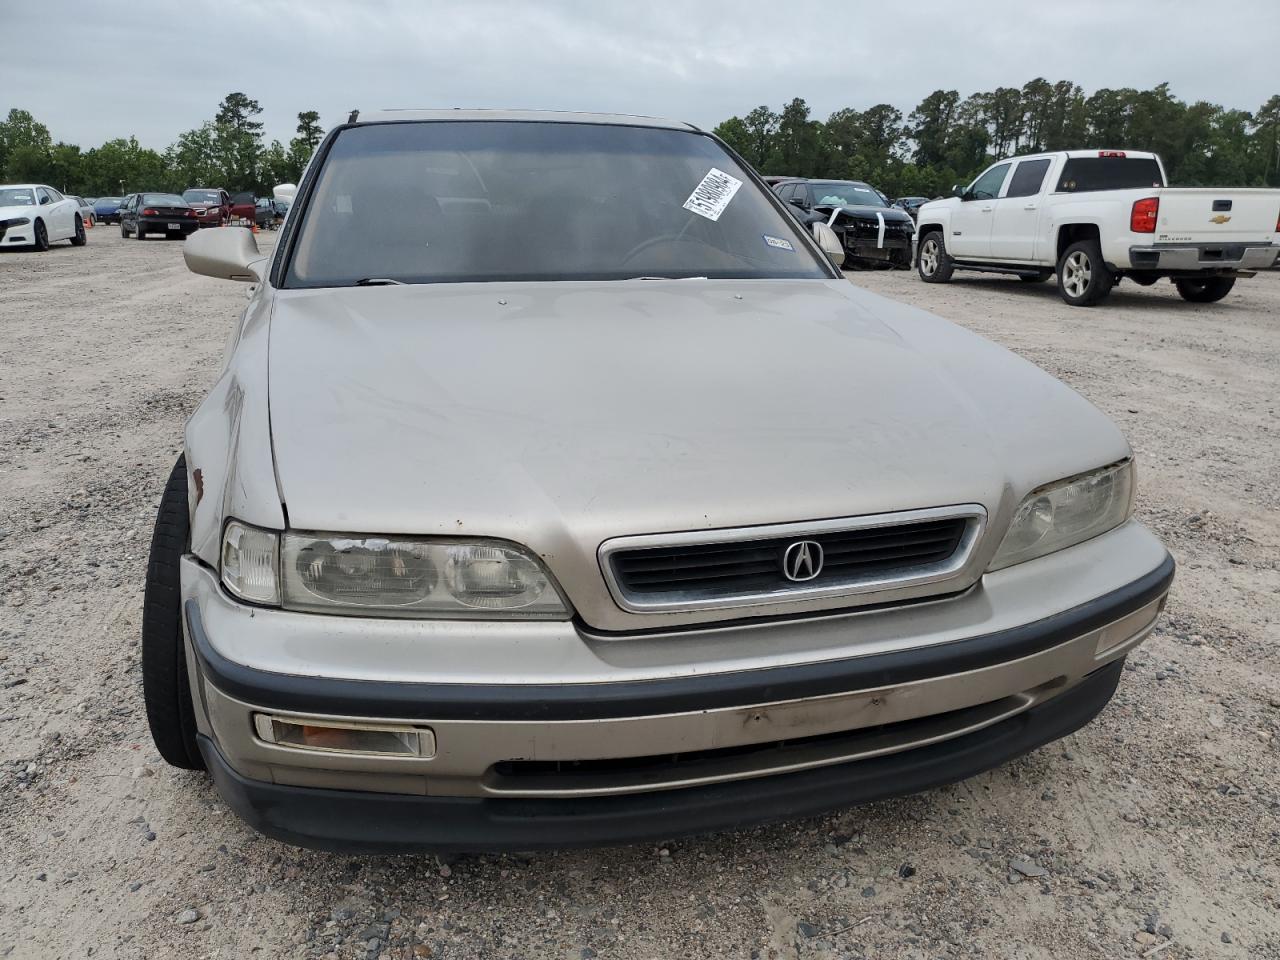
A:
x,y
1094,217
37,215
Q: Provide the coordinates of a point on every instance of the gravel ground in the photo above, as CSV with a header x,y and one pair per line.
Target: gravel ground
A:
x,y
1153,832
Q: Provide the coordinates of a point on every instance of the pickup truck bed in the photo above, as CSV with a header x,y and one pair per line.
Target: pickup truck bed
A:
x,y
1095,217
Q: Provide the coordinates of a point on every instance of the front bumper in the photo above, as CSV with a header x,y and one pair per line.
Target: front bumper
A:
x,y
353,821
595,754
1199,257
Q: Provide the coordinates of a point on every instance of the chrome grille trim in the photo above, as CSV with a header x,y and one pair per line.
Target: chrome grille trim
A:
x,y
948,575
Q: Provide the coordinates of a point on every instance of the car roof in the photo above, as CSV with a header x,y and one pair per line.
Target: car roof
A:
x,y
529,116
25,186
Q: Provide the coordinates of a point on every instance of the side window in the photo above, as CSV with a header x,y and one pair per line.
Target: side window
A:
x,y
788,192
987,186
42,195
54,195
1028,178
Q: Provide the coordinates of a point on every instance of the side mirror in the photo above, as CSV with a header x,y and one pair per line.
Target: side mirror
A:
x,y
830,243
43,201
227,254
958,190
797,202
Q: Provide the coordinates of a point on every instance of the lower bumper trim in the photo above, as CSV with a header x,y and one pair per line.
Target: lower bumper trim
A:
x,y
356,822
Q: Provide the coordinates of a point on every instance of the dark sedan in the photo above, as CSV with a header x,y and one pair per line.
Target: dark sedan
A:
x,y
911,205
872,231
106,210
165,213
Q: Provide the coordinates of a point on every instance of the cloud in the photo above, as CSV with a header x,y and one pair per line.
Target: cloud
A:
x,y
153,68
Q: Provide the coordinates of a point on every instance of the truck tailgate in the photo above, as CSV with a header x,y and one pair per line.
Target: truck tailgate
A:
x,y
1208,214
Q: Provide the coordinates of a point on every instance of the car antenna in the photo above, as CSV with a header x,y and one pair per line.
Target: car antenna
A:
x,y
355,115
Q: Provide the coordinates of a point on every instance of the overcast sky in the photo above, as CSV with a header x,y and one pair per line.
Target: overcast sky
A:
x,y
153,68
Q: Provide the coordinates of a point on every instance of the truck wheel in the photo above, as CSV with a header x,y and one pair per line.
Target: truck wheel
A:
x,y
933,263
1208,290
1083,279
166,689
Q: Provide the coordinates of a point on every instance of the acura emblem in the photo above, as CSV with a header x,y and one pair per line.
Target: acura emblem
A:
x,y
802,560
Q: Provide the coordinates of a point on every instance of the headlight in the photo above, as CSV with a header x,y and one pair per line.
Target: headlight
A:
x,y
250,563
1066,513
392,576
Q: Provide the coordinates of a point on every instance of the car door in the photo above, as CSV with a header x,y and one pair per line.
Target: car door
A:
x,y
1016,220
66,210
971,220
127,208
48,213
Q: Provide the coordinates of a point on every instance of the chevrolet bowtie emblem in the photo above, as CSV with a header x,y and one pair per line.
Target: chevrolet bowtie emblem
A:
x,y
1220,218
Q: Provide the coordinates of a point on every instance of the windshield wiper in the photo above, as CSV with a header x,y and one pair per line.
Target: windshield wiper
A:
x,y
379,282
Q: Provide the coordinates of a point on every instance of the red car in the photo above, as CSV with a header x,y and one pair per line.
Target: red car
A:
x,y
212,205
244,209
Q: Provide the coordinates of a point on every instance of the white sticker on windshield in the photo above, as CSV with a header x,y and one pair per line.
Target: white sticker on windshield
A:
x,y
712,195
778,242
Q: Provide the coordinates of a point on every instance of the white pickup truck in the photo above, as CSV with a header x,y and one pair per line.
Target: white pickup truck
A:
x,y
1094,216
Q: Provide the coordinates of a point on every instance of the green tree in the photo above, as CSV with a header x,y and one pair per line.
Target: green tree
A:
x,y
239,141
20,131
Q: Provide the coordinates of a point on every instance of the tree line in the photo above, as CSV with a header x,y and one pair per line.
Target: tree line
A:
x,y
947,139
226,151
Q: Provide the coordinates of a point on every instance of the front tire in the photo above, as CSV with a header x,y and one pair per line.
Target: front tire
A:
x,y
166,689
78,239
1208,290
40,238
1083,279
933,263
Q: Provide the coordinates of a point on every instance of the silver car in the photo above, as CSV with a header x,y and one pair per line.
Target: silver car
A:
x,y
557,490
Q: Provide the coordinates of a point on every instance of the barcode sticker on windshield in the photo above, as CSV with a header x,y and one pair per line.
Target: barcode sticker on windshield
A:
x,y
712,195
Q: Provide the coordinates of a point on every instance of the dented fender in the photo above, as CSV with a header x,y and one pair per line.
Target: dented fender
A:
x,y
230,468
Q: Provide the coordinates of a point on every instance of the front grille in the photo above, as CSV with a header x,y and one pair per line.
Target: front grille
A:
x,y
862,553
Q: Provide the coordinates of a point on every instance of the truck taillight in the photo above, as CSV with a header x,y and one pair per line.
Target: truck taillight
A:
x,y
1143,217
1111,153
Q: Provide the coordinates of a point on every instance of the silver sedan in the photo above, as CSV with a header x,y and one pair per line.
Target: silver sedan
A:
x,y
558,490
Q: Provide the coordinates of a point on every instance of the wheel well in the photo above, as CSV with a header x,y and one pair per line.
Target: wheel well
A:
x,y
1073,233
929,228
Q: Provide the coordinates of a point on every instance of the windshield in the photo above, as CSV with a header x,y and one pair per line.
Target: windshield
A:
x,y
200,196
446,201
832,193
163,199
17,197
106,201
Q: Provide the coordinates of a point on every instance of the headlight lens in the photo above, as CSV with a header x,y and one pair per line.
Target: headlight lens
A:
x,y
340,573
1066,513
250,563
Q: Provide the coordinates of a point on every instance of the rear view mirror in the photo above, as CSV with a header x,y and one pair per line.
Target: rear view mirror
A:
x,y
229,253
829,242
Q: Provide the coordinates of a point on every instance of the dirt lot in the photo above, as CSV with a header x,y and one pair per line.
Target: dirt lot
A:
x,y
1153,832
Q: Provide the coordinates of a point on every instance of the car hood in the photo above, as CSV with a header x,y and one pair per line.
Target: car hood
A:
x,y
15,212
559,415
869,213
